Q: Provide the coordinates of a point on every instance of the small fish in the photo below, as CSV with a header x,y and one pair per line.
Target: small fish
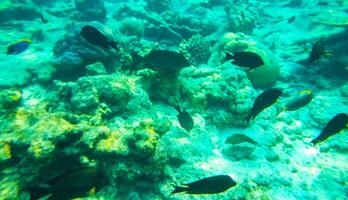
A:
x,y
318,51
72,184
245,59
291,19
19,46
210,185
300,100
263,101
335,125
94,36
240,138
185,119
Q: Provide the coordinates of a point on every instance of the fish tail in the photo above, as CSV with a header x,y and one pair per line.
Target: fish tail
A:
x,y
315,141
179,189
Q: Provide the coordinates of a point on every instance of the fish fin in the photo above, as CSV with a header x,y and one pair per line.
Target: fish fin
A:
x,y
179,189
279,109
228,56
114,45
92,191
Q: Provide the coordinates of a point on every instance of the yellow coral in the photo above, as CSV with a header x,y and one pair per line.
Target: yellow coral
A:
x,y
113,143
5,151
39,148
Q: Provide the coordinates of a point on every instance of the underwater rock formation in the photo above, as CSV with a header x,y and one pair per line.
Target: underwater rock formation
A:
x,y
90,10
243,22
9,12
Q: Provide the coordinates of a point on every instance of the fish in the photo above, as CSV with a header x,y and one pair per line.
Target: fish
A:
x,y
300,100
245,59
210,185
185,119
334,126
95,37
263,101
72,184
240,138
291,19
18,47
317,51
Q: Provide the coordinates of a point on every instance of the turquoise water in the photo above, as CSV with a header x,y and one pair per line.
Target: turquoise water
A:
x,y
133,99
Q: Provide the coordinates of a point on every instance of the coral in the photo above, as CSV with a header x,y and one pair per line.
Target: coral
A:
x,y
84,97
196,50
261,77
5,151
223,91
41,148
88,10
9,12
132,26
114,143
158,6
240,21
95,69
10,98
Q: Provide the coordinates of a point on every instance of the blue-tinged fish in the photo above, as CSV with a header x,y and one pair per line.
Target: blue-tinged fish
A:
x,y
94,36
19,46
245,59
210,185
334,126
263,101
300,100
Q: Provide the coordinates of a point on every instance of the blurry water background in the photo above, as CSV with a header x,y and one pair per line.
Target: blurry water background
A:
x,y
67,104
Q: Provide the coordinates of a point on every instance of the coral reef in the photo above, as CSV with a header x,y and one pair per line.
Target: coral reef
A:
x,y
10,98
88,10
196,50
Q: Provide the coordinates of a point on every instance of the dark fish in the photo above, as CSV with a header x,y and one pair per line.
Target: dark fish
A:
x,y
166,60
263,101
318,51
94,36
210,185
240,138
246,59
185,119
18,47
69,185
300,100
291,19
334,126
